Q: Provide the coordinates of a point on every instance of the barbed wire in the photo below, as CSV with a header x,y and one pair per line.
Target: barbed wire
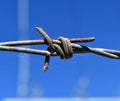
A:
x,y
63,47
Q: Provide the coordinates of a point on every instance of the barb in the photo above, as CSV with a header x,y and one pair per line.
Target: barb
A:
x,y
63,47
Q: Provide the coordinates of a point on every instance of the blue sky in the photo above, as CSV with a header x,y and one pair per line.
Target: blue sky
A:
x,y
68,18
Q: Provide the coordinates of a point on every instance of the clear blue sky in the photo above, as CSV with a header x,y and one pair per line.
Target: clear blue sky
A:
x,y
69,18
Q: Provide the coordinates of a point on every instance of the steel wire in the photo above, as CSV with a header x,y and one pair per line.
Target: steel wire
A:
x,y
63,47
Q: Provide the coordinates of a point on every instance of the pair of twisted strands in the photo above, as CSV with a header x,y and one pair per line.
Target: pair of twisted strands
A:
x,y
63,47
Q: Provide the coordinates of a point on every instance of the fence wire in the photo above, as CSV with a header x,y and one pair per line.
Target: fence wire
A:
x,y
63,47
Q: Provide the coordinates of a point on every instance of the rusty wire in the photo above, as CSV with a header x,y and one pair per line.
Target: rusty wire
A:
x,y
63,47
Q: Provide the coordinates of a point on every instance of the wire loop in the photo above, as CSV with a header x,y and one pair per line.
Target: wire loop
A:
x,y
66,47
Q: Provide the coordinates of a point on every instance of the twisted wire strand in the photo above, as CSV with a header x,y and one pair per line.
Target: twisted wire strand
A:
x,y
63,47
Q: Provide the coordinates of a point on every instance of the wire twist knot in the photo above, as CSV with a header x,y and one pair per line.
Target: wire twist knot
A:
x,y
64,49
